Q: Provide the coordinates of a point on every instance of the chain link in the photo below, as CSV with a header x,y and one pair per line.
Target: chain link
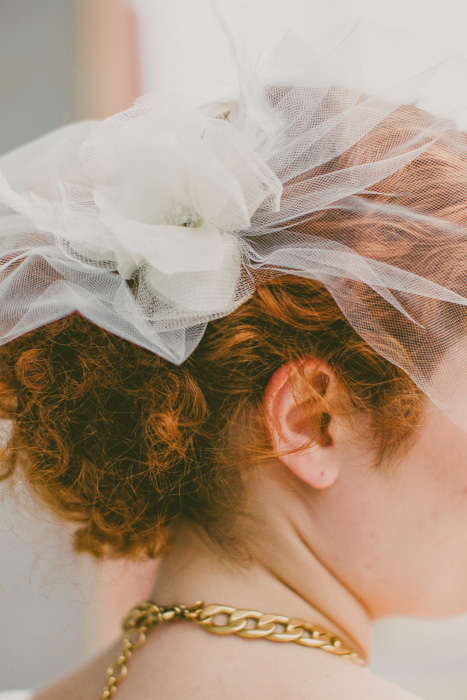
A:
x,y
252,625
245,623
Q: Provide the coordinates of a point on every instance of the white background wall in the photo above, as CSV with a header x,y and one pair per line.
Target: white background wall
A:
x,y
41,595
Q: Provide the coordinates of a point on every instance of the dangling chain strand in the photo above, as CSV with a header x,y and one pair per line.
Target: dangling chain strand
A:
x,y
262,625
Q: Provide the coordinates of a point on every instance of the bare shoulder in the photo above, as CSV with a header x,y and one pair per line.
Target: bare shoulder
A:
x,y
85,682
88,682
368,685
336,679
173,667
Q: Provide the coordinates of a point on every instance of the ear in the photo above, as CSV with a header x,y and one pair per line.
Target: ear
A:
x,y
291,426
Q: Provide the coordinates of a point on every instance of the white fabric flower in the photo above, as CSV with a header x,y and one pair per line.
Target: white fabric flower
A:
x,y
163,190
173,187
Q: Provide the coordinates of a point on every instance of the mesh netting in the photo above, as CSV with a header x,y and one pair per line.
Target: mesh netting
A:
x,y
164,217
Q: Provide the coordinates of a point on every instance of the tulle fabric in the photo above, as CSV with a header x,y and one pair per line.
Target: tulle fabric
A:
x,y
162,218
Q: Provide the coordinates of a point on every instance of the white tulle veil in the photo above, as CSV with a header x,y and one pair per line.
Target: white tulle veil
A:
x,y
158,220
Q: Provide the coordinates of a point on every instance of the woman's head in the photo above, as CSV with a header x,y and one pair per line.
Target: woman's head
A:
x,y
124,444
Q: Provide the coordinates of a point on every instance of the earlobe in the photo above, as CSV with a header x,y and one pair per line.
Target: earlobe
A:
x,y
297,417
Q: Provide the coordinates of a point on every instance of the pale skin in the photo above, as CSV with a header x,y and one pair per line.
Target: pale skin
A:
x,y
334,542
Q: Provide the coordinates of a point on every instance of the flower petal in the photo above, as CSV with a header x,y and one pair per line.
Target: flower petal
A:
x,y
172,249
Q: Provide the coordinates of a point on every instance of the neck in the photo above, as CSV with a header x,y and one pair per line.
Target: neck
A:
x,y
283,576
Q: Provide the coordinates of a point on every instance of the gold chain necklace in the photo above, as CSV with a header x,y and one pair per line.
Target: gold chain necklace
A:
x,y
245,623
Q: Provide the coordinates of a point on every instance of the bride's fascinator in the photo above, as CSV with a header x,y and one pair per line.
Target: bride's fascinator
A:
x,y
158,220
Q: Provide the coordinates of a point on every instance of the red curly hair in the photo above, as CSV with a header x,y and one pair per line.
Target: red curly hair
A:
x,y
122,443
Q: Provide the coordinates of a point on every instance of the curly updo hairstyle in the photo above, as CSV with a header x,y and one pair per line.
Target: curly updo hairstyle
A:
x,y
122,443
